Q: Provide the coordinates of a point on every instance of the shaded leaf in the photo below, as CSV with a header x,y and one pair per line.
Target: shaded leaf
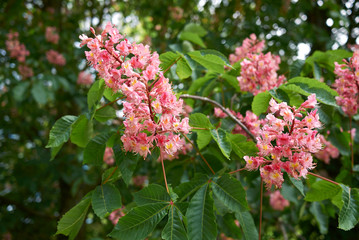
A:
x,y
61,130
220,136
174,229
81,131
126,161
322,219
95,149
349,214
184,190
105,199
95,93
153,193
247,224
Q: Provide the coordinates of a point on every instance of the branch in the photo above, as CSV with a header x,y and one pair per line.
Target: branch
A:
x,y
235,119
326,179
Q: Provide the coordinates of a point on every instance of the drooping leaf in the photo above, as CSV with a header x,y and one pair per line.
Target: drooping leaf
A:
x,y
95,93
209,61
220,136
55,151
81,131
192,37
153,193
322,219
61,130
126,161
71,222
322,190
105,199
261,102
204,137
247,224
349,214
241,147
200,120
298,184
167,59
200,216
183,69
139,222
95,149
104,114
296,68
184,190
174,229
230,191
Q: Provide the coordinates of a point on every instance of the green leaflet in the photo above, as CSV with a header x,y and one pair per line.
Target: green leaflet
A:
x,y
95,149
220,136
200,216
139,222
261,102
95,93
153,193
322,190
174,229
247,224
71,222
230,191
81,131
60,132
105,199
349,214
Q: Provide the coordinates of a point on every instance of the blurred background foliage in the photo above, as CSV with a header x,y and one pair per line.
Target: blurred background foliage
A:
x,y
36,192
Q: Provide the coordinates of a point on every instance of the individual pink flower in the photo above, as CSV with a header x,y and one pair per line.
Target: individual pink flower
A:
x,y
16,49
108,157
153,112
25,71
51,35
85,78
347,85
55,57
277,201
286,141
116,215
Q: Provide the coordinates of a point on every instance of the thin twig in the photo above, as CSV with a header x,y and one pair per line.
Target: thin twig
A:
x,y
326,179
200,154
238,170
204,99
108,178
164,172
110,103
260,211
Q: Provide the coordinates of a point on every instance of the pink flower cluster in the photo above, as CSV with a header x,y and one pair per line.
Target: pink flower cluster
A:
x,y
151,109
329,151
286,141
347,84
19,52
258,70
51,35
84,78
277,201
16,49
55,57
108,156
251,121
249,46
116,215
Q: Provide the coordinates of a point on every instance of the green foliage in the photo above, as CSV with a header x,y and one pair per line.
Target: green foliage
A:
x,y
210,61
126,162
95,149
200,216
105,199
246,221
261,102
322,190
174,229
349,213
220,136
95,94
81,131
153,193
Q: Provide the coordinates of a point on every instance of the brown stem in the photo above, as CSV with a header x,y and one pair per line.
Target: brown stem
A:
x,y
200,154
351,142
238,170
235,119
260,211
326,179
110,103
108,178
164,172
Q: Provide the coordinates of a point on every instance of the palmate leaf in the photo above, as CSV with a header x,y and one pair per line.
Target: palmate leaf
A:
x,y
247,224
200,216
61,130
231,193
105,199
220,136
71,222
153,193
126,161
174,229
349,214
139,222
